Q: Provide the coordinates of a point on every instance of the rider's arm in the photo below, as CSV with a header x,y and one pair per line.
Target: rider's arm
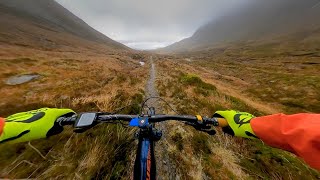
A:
x,y
299,134
1,125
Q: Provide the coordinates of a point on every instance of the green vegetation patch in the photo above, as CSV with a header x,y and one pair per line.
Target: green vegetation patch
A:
x,y
200,87
178,140
24,60
200,144
270,163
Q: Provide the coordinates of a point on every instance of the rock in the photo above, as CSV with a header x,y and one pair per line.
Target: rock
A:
x,y
20,79
164,162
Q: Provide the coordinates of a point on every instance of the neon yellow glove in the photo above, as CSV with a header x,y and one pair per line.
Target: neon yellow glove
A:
x,y
239,123
36,124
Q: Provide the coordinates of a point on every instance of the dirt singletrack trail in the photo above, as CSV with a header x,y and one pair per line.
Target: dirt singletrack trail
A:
x,y
165,168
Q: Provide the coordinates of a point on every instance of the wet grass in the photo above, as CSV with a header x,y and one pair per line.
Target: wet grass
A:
x,y
200,144
270,163
220,156
201,87
71,157
22,60
178,140
272,74
102,152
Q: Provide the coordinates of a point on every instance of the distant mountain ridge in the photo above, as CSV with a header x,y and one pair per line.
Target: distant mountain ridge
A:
x,y
20,16
260,19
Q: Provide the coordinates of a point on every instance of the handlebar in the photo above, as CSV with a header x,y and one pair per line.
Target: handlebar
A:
x,y
100,118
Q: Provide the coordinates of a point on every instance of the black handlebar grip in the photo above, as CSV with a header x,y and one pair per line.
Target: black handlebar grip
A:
x,y
212,121
64,121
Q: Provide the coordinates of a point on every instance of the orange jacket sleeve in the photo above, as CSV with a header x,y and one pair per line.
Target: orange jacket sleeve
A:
x,y
1,125
299,134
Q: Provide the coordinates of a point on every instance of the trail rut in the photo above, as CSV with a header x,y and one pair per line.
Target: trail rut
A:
x,y
165,167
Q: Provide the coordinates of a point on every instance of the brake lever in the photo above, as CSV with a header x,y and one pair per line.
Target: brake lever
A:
x,y
202,127
210,132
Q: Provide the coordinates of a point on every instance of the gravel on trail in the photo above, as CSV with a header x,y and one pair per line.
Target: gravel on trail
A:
x,y
165,166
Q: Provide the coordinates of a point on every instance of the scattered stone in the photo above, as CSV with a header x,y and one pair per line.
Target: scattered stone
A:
x,y
164,162
142,63
20,79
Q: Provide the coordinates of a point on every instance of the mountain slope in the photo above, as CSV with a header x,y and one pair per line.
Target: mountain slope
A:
x,y
45,22
259,20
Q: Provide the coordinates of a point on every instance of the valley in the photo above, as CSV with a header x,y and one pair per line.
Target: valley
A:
x,y
258,69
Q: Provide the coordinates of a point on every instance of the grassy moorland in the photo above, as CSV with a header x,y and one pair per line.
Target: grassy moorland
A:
x,y
83,81
261,81
283,76
201,83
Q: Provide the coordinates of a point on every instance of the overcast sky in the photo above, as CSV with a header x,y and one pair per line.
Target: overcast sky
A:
x,y
149,24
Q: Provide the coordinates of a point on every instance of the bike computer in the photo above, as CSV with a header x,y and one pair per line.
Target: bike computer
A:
x,y
85,120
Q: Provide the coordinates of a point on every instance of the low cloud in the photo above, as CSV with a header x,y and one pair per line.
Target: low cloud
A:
x,y
149,24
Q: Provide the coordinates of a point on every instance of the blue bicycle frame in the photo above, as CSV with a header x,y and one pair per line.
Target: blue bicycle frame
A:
x,y
145,164
145,167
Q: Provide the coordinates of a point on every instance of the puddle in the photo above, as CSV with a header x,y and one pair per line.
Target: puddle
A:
x,y
16,80
142,63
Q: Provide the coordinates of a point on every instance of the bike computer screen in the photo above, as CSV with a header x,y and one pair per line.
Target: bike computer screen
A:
x,y
85,119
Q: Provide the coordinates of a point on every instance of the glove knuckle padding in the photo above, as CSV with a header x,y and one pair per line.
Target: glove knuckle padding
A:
x,y
239,123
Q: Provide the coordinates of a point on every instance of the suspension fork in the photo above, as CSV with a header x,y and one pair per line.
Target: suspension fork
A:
x,y
145,164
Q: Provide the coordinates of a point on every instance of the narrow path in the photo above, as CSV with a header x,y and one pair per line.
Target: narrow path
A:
x,y
165,167
151,89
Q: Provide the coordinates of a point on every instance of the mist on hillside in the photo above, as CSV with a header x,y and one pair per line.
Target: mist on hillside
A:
x,y
256,56
255,21
150,24
154,24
